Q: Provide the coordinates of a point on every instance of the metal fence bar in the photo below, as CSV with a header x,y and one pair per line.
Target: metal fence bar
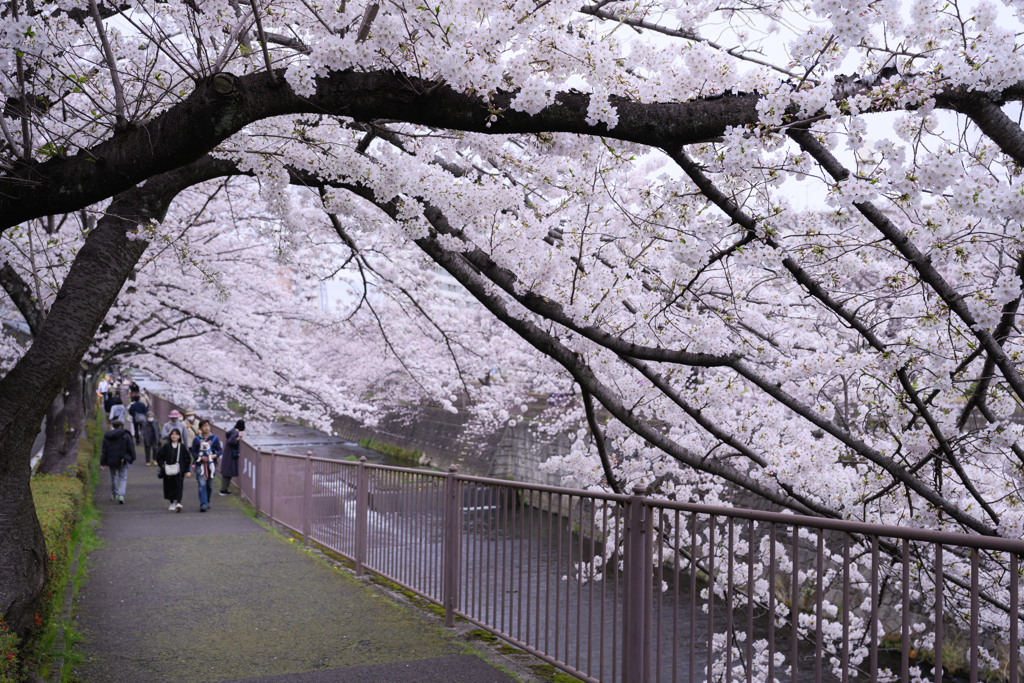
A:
x,y
711,597
905,632
453,512
1014,606
307,500
873,668
750,601
772,532
794,608
693,598
938,613
362,502
818,612
846,609
633,613
974,615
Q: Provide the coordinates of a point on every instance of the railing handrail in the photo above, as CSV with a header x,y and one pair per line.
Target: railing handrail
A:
x,y
994,543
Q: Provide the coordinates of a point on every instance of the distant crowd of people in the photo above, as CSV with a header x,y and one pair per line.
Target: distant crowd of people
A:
x,y
183,446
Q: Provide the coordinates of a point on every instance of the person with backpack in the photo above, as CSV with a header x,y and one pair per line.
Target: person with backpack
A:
x,y
229,463
137,410
116,453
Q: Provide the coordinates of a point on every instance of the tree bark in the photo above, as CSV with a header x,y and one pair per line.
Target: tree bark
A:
x,y
92,285
65,422
224,104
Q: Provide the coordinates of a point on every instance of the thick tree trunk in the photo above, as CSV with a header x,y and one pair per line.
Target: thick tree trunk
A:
x,y
64,424
23,562
95,279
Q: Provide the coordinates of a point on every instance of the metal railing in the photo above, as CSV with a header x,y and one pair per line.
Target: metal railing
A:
x,y
635,589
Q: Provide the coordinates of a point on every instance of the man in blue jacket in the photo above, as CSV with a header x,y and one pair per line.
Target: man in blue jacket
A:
x,y
117,452
138,412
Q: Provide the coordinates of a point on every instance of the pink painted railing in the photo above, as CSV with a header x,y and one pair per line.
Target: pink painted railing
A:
x,y
635,589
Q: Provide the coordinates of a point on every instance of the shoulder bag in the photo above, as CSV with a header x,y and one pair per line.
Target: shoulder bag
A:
x,y
174,468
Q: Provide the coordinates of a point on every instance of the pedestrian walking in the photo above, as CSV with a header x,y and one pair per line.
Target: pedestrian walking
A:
x,y
137,410
206,451
173,459
108,401
117,411
174,422
192,425
151,437
116,453
229,463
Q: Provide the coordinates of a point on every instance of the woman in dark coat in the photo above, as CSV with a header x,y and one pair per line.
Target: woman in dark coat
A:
x,y
174,451
229,463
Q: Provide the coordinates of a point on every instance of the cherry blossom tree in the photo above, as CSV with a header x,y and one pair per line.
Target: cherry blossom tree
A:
x,y
618,190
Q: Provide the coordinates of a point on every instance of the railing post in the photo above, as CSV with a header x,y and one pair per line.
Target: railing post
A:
x,y
307,500
362,502
636,604
452,529
273,468
254,478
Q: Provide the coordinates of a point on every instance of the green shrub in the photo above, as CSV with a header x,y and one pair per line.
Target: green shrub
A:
x,y
8,654
59,503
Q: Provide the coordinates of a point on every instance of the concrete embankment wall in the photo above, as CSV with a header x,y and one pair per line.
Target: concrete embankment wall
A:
x,y
514,453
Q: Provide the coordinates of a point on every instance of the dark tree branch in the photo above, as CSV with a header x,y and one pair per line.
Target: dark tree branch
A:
x,y
1001,333
602,450
223,104
989,116
21,295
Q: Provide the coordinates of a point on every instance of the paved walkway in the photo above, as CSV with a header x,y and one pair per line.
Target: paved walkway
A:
x,y
193,597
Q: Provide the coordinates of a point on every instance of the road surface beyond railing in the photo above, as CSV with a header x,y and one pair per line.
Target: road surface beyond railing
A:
x,y
642,590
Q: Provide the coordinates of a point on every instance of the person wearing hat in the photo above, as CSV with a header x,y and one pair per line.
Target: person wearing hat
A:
x,y
173,422
229,463
117,452
192,424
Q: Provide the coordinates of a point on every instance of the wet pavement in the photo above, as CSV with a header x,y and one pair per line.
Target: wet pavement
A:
x,y
192,597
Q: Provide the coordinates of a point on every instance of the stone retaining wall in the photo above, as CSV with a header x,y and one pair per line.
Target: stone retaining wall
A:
x,y
514,453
